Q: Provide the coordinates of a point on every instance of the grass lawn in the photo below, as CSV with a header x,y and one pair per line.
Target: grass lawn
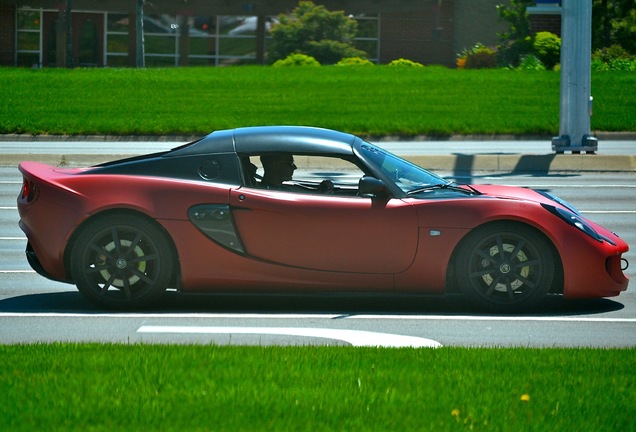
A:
x,y
151,387
377,101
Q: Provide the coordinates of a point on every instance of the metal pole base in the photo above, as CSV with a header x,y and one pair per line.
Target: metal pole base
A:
x,y
561,144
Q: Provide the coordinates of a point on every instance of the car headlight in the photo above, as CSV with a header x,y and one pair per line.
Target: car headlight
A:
x,y
558,200
576,220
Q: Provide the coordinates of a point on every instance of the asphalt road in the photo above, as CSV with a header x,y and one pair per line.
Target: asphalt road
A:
x,y
35,309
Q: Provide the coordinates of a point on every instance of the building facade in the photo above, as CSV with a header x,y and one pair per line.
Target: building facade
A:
x,y
93,33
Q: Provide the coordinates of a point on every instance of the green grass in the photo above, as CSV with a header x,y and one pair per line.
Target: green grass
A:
x,y
151,387
369,101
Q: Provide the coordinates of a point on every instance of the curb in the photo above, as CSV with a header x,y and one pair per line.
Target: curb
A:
x,y
528,163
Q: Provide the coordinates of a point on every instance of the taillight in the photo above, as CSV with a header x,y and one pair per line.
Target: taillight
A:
x,y
29,190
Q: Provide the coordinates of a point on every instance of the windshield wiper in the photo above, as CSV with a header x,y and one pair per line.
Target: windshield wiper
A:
x,y
450,185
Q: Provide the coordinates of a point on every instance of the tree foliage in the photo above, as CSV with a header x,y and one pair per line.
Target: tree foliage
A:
x,y
614,23
516,42
613,37
515,14
314,31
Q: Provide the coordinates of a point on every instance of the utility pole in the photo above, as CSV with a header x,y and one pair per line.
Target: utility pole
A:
x,y
69,40
139,35
576,99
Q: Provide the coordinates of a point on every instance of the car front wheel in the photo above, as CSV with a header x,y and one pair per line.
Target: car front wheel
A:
x,y
505,267
121,262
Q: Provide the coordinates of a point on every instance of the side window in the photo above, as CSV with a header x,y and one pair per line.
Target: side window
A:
x,y
316,174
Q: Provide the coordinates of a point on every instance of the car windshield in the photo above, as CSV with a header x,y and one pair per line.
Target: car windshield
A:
x,y
405,175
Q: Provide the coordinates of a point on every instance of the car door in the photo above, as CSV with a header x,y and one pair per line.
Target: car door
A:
x,y
326,232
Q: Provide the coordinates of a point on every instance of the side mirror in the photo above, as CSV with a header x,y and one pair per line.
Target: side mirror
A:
x,y
371,186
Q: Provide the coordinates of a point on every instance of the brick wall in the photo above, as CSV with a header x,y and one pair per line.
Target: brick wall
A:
x,y
476,22
550,23
422,36
7,35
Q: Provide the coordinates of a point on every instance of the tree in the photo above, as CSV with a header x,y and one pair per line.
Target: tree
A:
x,y
614,23
516,42
314,31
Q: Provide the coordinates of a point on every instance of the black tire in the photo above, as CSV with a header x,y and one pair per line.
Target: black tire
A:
x,y
505,267
121,262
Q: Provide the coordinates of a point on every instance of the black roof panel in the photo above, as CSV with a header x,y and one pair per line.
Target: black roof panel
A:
x,y
262,139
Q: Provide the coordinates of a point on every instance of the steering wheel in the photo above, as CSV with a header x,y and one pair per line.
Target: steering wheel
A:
x,y
326,187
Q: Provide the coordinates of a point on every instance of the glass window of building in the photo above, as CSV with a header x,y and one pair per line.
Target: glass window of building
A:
x,y
236,39
117,40
368,36
161,47
29,37
202,40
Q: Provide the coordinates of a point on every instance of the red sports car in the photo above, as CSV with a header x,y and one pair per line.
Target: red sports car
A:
x,y
298,209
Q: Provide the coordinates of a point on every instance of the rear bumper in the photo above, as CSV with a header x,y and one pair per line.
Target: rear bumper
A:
x,y
35,264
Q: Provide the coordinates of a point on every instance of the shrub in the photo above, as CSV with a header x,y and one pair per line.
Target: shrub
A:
x,y
610,53
599,65
315,31
614,57
628,65
330,51
510,54
547,47
479,57
401,62
531,62
354,61
296,59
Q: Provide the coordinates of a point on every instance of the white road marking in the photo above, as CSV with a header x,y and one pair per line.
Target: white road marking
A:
x,y
164,315
16,271
574,319
356,338
498,318
608,211
8,208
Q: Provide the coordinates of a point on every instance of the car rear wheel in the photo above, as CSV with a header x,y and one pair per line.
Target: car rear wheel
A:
x,y
505,267
121,262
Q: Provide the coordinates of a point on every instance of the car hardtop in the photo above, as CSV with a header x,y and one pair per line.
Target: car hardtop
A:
x,y
222,150
270,139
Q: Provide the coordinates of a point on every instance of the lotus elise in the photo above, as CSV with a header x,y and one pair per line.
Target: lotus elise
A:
x,y
285,209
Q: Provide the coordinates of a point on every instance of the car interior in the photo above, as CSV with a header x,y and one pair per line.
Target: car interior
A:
x,y
313,174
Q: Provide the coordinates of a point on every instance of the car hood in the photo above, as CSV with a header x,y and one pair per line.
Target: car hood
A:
x,y
513,193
